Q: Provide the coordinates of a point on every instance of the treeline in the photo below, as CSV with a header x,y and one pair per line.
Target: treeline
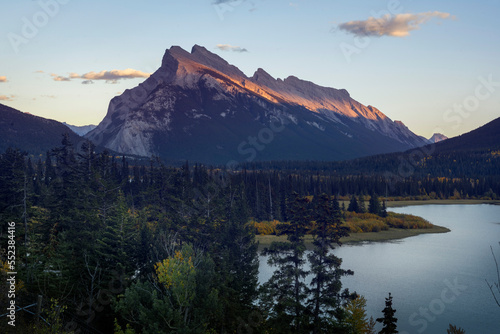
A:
x,y
152,249
267,190
148,248
435,160
110,246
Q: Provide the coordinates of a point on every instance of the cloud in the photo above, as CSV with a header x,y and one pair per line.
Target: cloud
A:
x,y
218,2
115,75
49,96
398,25
39,71
3,79
109,76
59,77
227,47
6,98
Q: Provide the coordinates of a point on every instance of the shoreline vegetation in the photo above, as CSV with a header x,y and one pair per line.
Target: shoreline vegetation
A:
x,y
397,204
381,234
354,238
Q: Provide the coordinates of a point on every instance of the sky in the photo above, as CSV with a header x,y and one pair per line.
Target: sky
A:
x,y
433,65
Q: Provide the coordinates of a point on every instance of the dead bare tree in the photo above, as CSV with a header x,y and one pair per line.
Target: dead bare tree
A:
x,y
495,286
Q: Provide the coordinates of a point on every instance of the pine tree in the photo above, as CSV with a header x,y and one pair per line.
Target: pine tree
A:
x,y
356,309
388,321
374,205
238,262
455,330
361,204
12,185
383,212
353,204
285,293
325,292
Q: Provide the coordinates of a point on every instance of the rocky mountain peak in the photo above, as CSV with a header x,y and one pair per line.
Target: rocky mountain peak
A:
x,y
262,77
197,99
198,61
437,137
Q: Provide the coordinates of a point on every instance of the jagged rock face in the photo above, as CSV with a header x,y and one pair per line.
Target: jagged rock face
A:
x,y
437,137
198,107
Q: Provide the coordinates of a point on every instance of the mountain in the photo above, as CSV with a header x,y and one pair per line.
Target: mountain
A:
x,y
485,138
197,106
437,137
33,134
81,130
471,155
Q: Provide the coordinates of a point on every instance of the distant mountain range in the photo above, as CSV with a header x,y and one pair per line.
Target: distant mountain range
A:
x,y
81,130
437,137
33,134
485,138
198,107
473,154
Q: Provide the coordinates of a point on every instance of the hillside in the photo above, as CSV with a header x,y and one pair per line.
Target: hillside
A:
x,y
33,134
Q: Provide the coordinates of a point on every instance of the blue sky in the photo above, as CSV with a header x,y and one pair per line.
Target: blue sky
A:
x,y
432,64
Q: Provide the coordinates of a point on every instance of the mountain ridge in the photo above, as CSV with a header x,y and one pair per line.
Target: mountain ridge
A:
x,y
30,133
172,111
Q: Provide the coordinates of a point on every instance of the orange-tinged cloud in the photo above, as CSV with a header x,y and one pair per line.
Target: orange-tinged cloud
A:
x,y
3,79
115,75
109,76
6,98
398,25
59,77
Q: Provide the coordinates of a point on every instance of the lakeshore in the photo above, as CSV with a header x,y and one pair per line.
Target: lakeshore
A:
x,y
391,233
353,238
397,204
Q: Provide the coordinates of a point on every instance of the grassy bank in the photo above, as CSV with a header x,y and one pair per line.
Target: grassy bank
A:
x,y
362,227
399,203
390,234
395,204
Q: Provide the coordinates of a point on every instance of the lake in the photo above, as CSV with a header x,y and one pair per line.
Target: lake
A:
x,y
435,279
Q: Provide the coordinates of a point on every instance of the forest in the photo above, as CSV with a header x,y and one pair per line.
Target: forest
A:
x,y
116,245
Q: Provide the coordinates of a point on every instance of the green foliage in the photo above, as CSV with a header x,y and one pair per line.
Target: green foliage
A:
x,y
374,205
53,314
178,275
185,300
284,294
388,321
325,295
118,329
455,330
353,204
356,317
96,225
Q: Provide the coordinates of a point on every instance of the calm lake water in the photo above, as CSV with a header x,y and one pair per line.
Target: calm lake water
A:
x,y
435,279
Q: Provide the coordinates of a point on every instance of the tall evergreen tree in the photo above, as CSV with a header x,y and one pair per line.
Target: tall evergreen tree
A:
x,y
383,212
362,204
374,205
12,185
238,262
389,320
325,291
285,293
353,204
